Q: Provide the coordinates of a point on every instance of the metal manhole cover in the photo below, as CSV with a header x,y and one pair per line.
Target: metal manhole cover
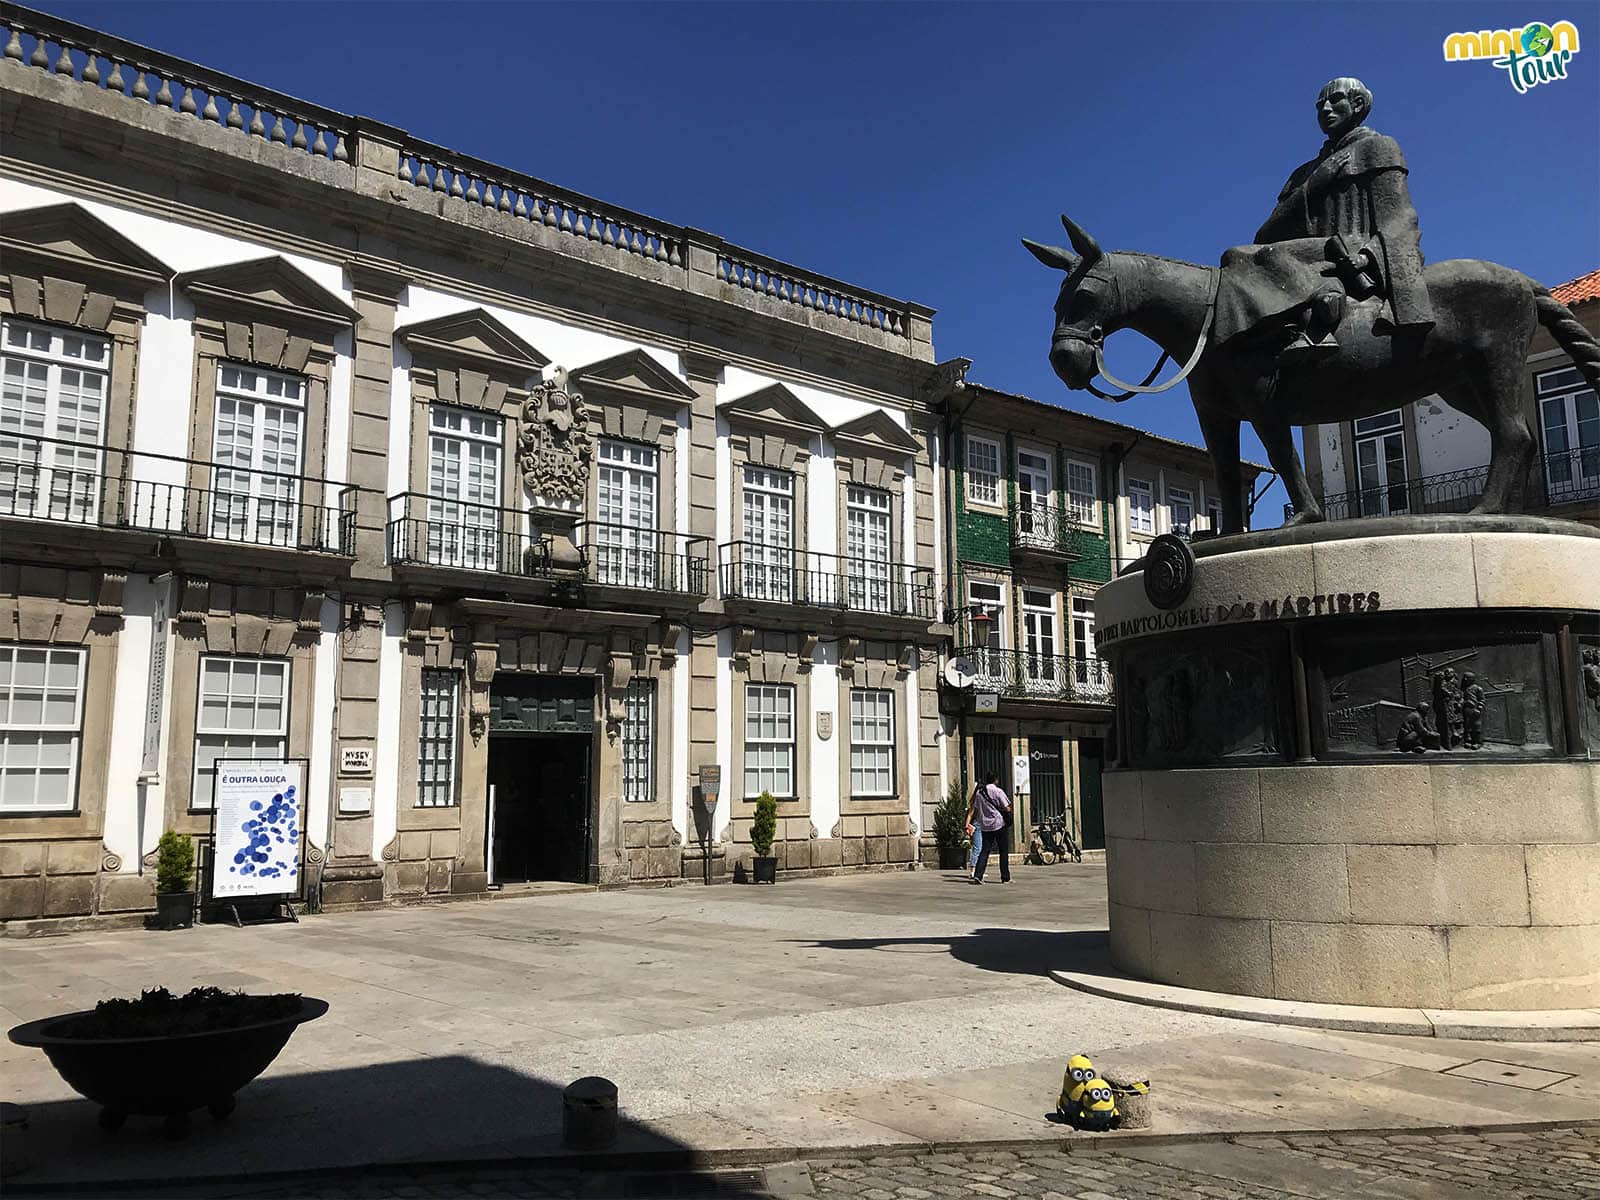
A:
x,y
1488,1070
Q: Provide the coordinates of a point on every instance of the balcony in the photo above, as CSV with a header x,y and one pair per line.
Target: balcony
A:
x,y
1020,675
649,560
1565,477
428,531
57,482
751,571
1045,530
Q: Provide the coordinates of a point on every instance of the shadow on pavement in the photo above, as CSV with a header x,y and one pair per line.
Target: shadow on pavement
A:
x,y
348,1125
1010,951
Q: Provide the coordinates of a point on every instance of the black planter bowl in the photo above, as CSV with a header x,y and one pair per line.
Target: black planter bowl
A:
x,y
766,869
164,1076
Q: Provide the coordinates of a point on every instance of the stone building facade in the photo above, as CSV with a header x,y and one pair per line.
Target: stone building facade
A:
x,y
1428,458
505,509
1047,504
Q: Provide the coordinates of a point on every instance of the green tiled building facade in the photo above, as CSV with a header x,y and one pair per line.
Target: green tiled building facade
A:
x,y
1045,505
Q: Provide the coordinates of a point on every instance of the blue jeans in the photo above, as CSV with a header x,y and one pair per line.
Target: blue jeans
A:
x,y
977,843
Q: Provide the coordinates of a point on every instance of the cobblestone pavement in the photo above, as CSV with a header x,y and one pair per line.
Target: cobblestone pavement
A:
x,y
1560,1164
1554,1164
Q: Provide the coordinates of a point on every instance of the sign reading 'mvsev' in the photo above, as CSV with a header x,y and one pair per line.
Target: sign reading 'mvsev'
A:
x,y
1328,604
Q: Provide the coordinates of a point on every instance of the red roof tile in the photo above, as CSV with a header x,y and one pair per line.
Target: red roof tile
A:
x,y
1584,287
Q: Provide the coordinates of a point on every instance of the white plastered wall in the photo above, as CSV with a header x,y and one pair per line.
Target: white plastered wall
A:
x,y
130,704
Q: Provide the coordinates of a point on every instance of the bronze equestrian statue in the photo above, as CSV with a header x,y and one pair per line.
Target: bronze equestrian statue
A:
x,y
1329,316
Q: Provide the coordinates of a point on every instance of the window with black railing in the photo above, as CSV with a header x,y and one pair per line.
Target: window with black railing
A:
x,y
1024,674
617,555
1037,524
1557,477
75,483
438,531
753,571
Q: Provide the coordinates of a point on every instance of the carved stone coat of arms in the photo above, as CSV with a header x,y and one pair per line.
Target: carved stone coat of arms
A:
x,y
555,444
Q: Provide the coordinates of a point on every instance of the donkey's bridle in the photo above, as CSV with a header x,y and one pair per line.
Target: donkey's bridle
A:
x,y
1096,339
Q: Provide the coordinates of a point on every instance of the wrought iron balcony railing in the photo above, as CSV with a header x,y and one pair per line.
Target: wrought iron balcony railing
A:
x,y
436,532
77,483
1562,477
649,559
752,571
1045,528
1024,675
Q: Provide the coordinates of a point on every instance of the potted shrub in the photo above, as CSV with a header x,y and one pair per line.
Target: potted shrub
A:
x,y
761,831
164,1055
174,881
950,829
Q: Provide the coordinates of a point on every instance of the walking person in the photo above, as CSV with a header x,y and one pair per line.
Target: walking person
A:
x,y
994,818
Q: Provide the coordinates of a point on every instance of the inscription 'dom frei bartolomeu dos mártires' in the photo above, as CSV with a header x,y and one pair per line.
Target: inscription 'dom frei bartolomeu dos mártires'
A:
x,y
1327,604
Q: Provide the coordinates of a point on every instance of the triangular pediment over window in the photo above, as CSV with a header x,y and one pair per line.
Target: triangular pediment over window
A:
x,y
633,373
271,289
67,239
876,430
472,339
774,407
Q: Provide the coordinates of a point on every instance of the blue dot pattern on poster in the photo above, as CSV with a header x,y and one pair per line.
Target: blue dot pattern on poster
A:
x,y
274,831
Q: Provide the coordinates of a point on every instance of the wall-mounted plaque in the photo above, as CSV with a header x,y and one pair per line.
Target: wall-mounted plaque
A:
x,y
355,760
355,800
824,725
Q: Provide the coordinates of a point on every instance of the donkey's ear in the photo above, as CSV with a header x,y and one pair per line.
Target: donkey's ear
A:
x,y
1081,241
1051,256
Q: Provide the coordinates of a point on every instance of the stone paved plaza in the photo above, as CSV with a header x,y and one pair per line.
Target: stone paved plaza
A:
x,y
1546,1164
892,1013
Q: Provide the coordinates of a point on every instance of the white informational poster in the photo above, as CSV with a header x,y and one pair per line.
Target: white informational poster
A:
x,y
257,830
1021,769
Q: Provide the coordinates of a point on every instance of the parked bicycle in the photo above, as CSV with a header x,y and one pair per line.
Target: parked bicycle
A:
x,y
1052,843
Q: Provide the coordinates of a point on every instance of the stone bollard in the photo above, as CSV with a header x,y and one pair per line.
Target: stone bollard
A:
x,y
589,1114
1134,1107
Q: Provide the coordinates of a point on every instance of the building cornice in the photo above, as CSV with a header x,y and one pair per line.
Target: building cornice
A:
x,y
342,213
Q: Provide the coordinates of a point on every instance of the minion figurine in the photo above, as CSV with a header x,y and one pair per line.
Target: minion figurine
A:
x,y
1079,1071
1097,1107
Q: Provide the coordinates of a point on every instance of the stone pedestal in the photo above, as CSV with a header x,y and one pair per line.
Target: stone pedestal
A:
x,y
1359,763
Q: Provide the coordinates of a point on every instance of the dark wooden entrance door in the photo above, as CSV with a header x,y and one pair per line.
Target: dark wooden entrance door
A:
x,y
540,746
541,803
1047,783
1091,761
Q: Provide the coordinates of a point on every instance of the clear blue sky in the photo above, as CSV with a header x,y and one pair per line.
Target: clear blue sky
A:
x,y
906,147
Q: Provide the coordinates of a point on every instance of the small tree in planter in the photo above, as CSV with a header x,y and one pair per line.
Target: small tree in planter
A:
x,y
761,831
950,829
174,881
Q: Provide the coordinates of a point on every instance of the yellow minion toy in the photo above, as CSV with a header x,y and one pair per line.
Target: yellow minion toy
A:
x,y
1079,1071
1097,1108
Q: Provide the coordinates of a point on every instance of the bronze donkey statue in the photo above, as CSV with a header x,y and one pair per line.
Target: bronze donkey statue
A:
x,y
1474,358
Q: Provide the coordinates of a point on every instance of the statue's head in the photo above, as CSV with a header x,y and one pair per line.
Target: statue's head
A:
x,y
1342,104
1086,307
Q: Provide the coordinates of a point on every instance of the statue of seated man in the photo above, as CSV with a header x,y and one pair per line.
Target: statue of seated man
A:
x,y
1344,227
